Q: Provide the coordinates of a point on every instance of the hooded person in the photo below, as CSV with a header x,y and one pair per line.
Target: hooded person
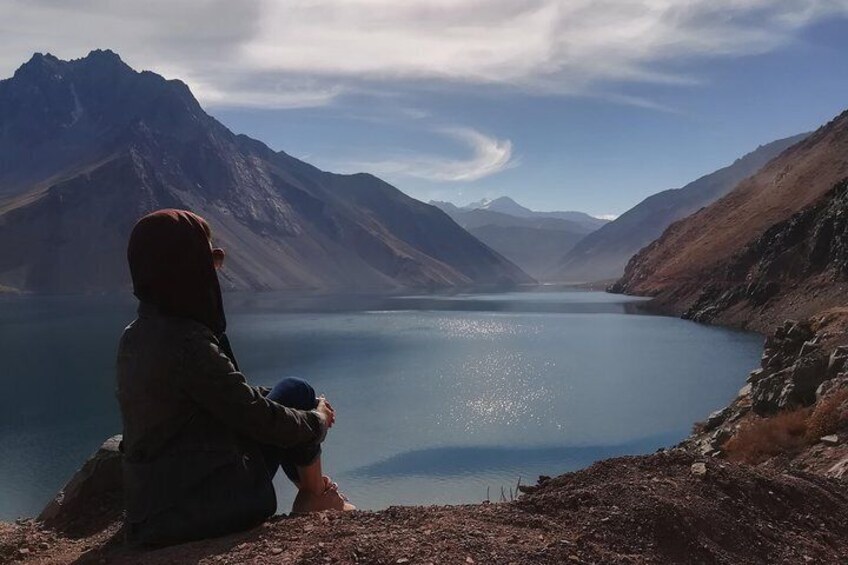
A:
x,y
200,445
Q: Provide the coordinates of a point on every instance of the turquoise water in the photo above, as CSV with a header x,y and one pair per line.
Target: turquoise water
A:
x,y
439,399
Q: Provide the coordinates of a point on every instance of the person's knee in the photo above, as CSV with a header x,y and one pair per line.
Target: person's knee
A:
x,y
294,392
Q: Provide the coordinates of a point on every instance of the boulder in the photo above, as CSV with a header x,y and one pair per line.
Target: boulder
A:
x,y
698,469
766,394
717,418
807,374
93,497
795,385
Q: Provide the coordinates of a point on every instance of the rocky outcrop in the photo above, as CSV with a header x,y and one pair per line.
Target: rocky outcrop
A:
x,y
771,249
792,368
792,258
804,364
92,498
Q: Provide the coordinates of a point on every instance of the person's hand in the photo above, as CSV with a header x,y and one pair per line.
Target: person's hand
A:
x,y
326,411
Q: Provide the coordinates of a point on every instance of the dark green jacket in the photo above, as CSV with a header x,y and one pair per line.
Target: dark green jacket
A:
x,y
192,433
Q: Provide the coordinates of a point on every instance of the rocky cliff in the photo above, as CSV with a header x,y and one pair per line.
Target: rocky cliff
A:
x,y
87,146
767,251
792,415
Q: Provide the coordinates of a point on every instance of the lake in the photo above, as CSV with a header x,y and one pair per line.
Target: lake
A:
x,y
439,399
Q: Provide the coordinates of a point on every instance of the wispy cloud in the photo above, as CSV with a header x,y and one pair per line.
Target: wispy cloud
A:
x,y
294,53
489,155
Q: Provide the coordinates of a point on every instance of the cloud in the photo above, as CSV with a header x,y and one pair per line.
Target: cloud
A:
x,y
295,53
489,156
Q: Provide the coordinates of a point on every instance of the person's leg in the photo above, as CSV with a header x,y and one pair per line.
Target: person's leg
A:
x,y
302,465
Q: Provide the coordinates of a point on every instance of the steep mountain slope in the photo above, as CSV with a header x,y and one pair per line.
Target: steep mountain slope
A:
x,y
750,239
604,254
533,242
87,146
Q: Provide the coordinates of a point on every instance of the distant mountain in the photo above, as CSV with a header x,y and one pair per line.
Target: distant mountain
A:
x,y
506,205
771,249
532,241
88,146
604,254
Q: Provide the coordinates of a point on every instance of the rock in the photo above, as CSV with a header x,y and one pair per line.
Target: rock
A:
x,y
699,469
828,386
807,374
838,360
745,390
831,439
809,347
839,470
799,332
716,419
794,385
720,436
766,393
94,492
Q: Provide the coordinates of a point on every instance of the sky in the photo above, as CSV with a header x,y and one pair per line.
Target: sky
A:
x,y
587,105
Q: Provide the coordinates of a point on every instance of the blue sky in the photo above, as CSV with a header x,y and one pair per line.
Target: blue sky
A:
x,y
582,104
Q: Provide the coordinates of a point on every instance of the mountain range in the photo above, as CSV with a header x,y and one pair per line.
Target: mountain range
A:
x,y
604,253
87,146
533,240
773,248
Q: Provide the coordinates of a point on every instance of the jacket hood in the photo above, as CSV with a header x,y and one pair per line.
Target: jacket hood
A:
x,y
172,268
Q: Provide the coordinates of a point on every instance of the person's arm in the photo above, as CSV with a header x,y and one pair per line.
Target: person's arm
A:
x,y
211,380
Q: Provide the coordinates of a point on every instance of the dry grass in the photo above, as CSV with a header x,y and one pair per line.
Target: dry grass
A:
x,y
788,432
761,439
828,415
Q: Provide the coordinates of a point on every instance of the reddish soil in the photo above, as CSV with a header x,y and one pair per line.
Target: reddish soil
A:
x,y
651,509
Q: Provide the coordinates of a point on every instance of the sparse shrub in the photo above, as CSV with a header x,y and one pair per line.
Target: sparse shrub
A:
x,y
828,415
761,439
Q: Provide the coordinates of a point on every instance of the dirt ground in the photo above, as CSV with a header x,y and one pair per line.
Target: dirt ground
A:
x,y
651,509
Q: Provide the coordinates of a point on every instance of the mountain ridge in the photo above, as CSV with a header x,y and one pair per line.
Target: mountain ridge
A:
x,y
699,259
604,254
533,241
506,205
130,142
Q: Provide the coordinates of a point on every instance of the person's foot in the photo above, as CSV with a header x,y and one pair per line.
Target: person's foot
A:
x,y
330,499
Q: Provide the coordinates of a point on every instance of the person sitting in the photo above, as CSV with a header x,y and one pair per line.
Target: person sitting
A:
x,y
200,445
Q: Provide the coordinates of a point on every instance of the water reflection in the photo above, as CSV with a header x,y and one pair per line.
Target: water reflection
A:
x,y
458,461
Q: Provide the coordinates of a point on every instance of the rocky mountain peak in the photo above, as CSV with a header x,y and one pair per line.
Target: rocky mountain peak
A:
x,y
93,138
